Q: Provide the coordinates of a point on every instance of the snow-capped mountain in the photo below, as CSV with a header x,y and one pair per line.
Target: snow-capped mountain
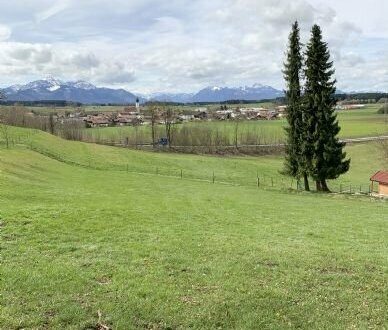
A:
x,y
171,97
82,91
75,91
220,94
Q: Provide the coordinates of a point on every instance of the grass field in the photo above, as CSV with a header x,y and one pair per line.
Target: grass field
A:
x,y
85,243
240,170
119,108
354,123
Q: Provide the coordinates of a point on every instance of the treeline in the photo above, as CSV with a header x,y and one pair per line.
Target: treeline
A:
x,y
199,138
20,116
45,103
169,136
361,98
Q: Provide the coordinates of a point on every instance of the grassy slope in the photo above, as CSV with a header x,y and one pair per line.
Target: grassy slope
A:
x,y
366,160
78,240
155,252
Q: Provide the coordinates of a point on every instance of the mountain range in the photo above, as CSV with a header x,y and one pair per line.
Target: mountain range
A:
x,y
84,92
220,94
51,89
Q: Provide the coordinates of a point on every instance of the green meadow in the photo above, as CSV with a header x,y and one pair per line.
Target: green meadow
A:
x,y
354,123
96,237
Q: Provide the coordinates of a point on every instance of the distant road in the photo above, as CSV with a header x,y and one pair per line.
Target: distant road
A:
x,y
366,139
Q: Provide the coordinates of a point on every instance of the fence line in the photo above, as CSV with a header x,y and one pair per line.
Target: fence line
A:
x,y
263,148
260,181
227,146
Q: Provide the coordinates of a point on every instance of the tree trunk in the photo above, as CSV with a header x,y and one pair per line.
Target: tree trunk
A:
x,y
318,184
324,186
236,135
306,182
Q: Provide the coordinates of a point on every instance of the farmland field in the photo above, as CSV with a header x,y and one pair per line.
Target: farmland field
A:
x,y
354,123
91,236
118,108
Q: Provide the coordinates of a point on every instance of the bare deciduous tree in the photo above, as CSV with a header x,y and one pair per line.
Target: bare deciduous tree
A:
x,y
236,134
169,121
153,112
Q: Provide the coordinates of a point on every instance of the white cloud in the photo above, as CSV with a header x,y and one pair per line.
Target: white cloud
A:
x,y
5,32
181,45
51,11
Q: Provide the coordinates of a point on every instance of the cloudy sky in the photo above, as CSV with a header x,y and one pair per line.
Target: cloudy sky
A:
x,y
184,45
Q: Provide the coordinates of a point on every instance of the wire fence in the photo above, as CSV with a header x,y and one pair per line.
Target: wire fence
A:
x,y
259,180
248,149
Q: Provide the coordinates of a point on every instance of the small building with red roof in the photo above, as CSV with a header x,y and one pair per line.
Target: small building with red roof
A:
x,y
381,177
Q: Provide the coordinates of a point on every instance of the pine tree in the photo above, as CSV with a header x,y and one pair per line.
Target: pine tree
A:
x,y
322,148
294,162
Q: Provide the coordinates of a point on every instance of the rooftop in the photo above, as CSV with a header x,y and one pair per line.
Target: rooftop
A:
x,y
381,177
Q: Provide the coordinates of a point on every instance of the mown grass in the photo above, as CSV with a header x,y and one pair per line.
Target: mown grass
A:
x,y
148,251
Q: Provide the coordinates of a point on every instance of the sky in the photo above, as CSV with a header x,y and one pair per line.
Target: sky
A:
x,y
148,46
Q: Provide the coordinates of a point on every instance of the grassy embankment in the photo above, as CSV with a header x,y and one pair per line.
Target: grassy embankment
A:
x,y
157,252
243,170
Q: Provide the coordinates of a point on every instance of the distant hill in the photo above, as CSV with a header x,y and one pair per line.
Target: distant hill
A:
x,y
219,94
256,92
78,91
170,97
51,89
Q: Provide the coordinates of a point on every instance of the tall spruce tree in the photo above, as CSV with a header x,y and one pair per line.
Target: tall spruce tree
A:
x,y
323,150
294,161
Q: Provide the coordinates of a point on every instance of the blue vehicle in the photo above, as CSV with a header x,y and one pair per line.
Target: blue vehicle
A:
x,y
163,141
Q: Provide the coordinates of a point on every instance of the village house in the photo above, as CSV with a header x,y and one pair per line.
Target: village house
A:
x,y
381,177
123,121
255,110
201,115
186,117
282,110
98,121
267,114
224,114
132,110
128,118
